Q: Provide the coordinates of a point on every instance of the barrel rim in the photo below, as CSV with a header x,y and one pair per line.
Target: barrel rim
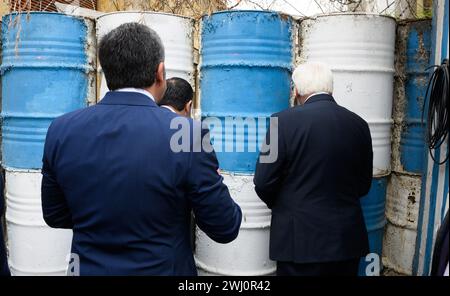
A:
x,y
41,12
36,12
11,170
316,16
145,12
248,11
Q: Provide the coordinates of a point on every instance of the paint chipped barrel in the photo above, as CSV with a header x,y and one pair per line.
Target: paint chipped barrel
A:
x,y
402,213
47,70
402,207
245,69
417,47
360,50
176,33
245,76
34,248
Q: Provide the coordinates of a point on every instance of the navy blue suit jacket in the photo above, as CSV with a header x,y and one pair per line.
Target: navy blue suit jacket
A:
x,y
109,173
323,168
4,270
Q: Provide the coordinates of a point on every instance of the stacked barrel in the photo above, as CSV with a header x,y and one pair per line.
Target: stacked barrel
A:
x,y
245,68
47,70
360,50
176,33
404,191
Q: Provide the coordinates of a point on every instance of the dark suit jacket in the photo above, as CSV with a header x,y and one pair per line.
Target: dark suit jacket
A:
x,y
4,270
324,167
110,175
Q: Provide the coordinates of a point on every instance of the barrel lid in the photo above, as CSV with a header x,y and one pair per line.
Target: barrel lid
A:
x,y
285,15
146,12
350,14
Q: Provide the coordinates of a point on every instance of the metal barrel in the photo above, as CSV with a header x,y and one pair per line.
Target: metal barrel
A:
x,y
402,213
245,67
404,189
360,49
47,70
248,255
415,81
176,33
373,206
34,248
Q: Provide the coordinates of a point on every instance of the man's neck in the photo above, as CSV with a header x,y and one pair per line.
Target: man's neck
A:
x,y
137,90
314,94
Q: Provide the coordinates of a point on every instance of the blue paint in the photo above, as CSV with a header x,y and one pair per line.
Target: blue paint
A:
x,y
373,206
246,63
44,75
412,139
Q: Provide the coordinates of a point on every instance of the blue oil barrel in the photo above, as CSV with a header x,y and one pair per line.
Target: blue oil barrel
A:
x,y
412,141
246,64
373,206
47,70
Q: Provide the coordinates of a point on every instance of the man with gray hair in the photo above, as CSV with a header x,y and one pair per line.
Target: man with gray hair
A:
x,y
324,167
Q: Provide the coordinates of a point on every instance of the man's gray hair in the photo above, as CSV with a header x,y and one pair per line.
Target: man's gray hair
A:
x,y
310,78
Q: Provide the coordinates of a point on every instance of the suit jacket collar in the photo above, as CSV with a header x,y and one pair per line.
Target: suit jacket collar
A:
x,y
127,98
320,97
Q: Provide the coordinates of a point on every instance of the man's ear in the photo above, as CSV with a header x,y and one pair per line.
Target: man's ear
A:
x,y
161,73
188,108
296,98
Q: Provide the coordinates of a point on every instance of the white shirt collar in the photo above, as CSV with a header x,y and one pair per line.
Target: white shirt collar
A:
x,y
169,107
137,90
315,94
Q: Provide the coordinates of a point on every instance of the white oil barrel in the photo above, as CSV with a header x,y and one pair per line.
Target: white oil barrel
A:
x,y
248,255
360,50
402,213
34,248
176,33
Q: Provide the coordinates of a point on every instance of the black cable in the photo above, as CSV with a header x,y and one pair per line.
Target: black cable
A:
x,y
438,121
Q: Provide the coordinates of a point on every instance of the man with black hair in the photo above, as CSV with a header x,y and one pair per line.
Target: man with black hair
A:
x,y
178,96
111,174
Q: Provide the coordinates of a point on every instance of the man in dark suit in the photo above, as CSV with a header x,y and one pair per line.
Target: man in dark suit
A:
x,y
112,173
4,270
314,186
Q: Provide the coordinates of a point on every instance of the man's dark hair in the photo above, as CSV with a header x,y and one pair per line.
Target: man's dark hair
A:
x,y
130,55
179,92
